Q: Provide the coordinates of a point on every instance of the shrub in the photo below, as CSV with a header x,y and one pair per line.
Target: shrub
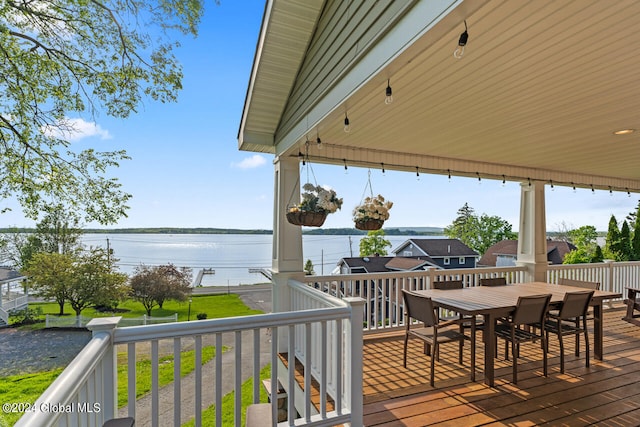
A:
x,y
201,316
25,316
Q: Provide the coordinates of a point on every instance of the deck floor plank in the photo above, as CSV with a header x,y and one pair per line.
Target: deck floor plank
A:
x,y
607,393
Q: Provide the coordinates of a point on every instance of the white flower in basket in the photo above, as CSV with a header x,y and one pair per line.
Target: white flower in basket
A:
x,y
372,208
318,199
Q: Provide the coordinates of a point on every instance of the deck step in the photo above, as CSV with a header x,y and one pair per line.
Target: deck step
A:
x,y
315,386
259,415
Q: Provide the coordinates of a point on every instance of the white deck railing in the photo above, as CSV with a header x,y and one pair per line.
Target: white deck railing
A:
x,y
90,378
10,305
383,291
612,276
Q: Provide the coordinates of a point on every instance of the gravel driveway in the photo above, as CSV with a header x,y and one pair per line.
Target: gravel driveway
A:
x,y
35,351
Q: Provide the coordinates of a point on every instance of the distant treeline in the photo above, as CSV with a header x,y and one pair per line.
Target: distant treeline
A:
x,y
169,230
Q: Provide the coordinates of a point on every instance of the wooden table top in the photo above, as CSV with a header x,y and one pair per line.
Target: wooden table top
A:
x,y
487,299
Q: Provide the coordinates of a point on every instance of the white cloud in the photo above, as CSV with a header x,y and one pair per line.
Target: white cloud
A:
x,y
76,129
250,162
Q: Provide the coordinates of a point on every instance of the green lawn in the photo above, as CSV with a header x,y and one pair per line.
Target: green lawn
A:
x,y
24,388
209,414
27,388
214,306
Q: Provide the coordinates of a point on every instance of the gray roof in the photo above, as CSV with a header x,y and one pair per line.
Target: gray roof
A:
x,y
8,274
440,247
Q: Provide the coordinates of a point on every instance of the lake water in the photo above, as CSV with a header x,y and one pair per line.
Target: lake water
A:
x,y
230,255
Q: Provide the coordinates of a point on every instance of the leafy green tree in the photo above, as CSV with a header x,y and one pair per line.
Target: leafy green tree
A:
x,y
308,268
64,59
95,282
374,244
587,250
51,275
479,233
151,286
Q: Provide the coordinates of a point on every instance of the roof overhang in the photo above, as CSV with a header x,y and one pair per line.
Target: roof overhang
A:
x,y
538,94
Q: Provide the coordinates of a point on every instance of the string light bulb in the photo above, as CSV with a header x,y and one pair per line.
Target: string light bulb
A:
x,y
462,42
388,93
552,187
449,174
418,173
529,181
504,180
346,169
319,143
382,164
479,178
347,125
574,187
593,191
628,192
610,191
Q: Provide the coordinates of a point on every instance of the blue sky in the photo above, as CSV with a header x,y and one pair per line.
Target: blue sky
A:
x,y
186,169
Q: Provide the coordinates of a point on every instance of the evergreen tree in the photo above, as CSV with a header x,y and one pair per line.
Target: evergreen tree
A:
x,y
308,268
635,240
625,242
612,245
597,256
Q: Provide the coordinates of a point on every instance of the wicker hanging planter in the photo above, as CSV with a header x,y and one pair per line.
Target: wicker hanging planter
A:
x,y
308,219
369,224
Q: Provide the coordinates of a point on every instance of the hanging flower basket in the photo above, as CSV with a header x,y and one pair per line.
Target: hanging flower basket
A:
x,y
308,219
369,224
371,213
317,202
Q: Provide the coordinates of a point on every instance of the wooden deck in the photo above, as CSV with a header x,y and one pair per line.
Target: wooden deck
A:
x,y
606,394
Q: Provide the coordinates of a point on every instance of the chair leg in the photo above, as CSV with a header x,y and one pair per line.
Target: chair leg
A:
x,y
577,338
473,350
404,360
514,362
544,355
433,369
560,340
586,345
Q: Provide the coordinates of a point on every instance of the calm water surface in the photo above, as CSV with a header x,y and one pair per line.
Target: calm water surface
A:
x,y
230,255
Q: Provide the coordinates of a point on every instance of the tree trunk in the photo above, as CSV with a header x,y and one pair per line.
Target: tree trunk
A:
x,y
61,304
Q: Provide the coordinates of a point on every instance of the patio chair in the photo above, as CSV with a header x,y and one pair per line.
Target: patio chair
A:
x,y
493,281
633,306
567,322
527,324
579,283
432,332
446,285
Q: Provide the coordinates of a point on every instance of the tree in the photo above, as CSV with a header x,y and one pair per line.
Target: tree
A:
x,y
479,233
374,244
95,282
635,239
151,286
308,268
587,250
51,276
613,248
174,283
63,59
625,242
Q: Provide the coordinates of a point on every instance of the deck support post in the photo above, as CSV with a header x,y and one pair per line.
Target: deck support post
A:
x,y
110,368
532,235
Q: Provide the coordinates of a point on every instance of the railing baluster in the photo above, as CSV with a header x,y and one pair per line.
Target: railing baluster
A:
x,y
291,410
238,380
131,379
177,362
323,371
339,341
198,382
155,407
218,379
307,372
256,365
275,361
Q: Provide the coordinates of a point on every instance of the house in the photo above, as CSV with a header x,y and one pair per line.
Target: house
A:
x,y
382,264
445,253
505,253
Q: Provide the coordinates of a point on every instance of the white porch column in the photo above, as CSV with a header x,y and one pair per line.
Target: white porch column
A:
x,y
532,235
287,238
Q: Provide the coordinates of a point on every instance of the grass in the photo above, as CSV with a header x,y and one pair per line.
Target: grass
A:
x,y
25,388
209,414
214,306
165,371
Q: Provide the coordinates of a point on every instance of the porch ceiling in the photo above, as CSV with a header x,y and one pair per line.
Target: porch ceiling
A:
x,y
538,94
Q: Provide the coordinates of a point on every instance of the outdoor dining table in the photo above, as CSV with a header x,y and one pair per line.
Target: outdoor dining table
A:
x,y
493,302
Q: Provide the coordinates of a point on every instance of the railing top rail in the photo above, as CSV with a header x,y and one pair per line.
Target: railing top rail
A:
x,y
69,382
229,324
415,273
327,299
